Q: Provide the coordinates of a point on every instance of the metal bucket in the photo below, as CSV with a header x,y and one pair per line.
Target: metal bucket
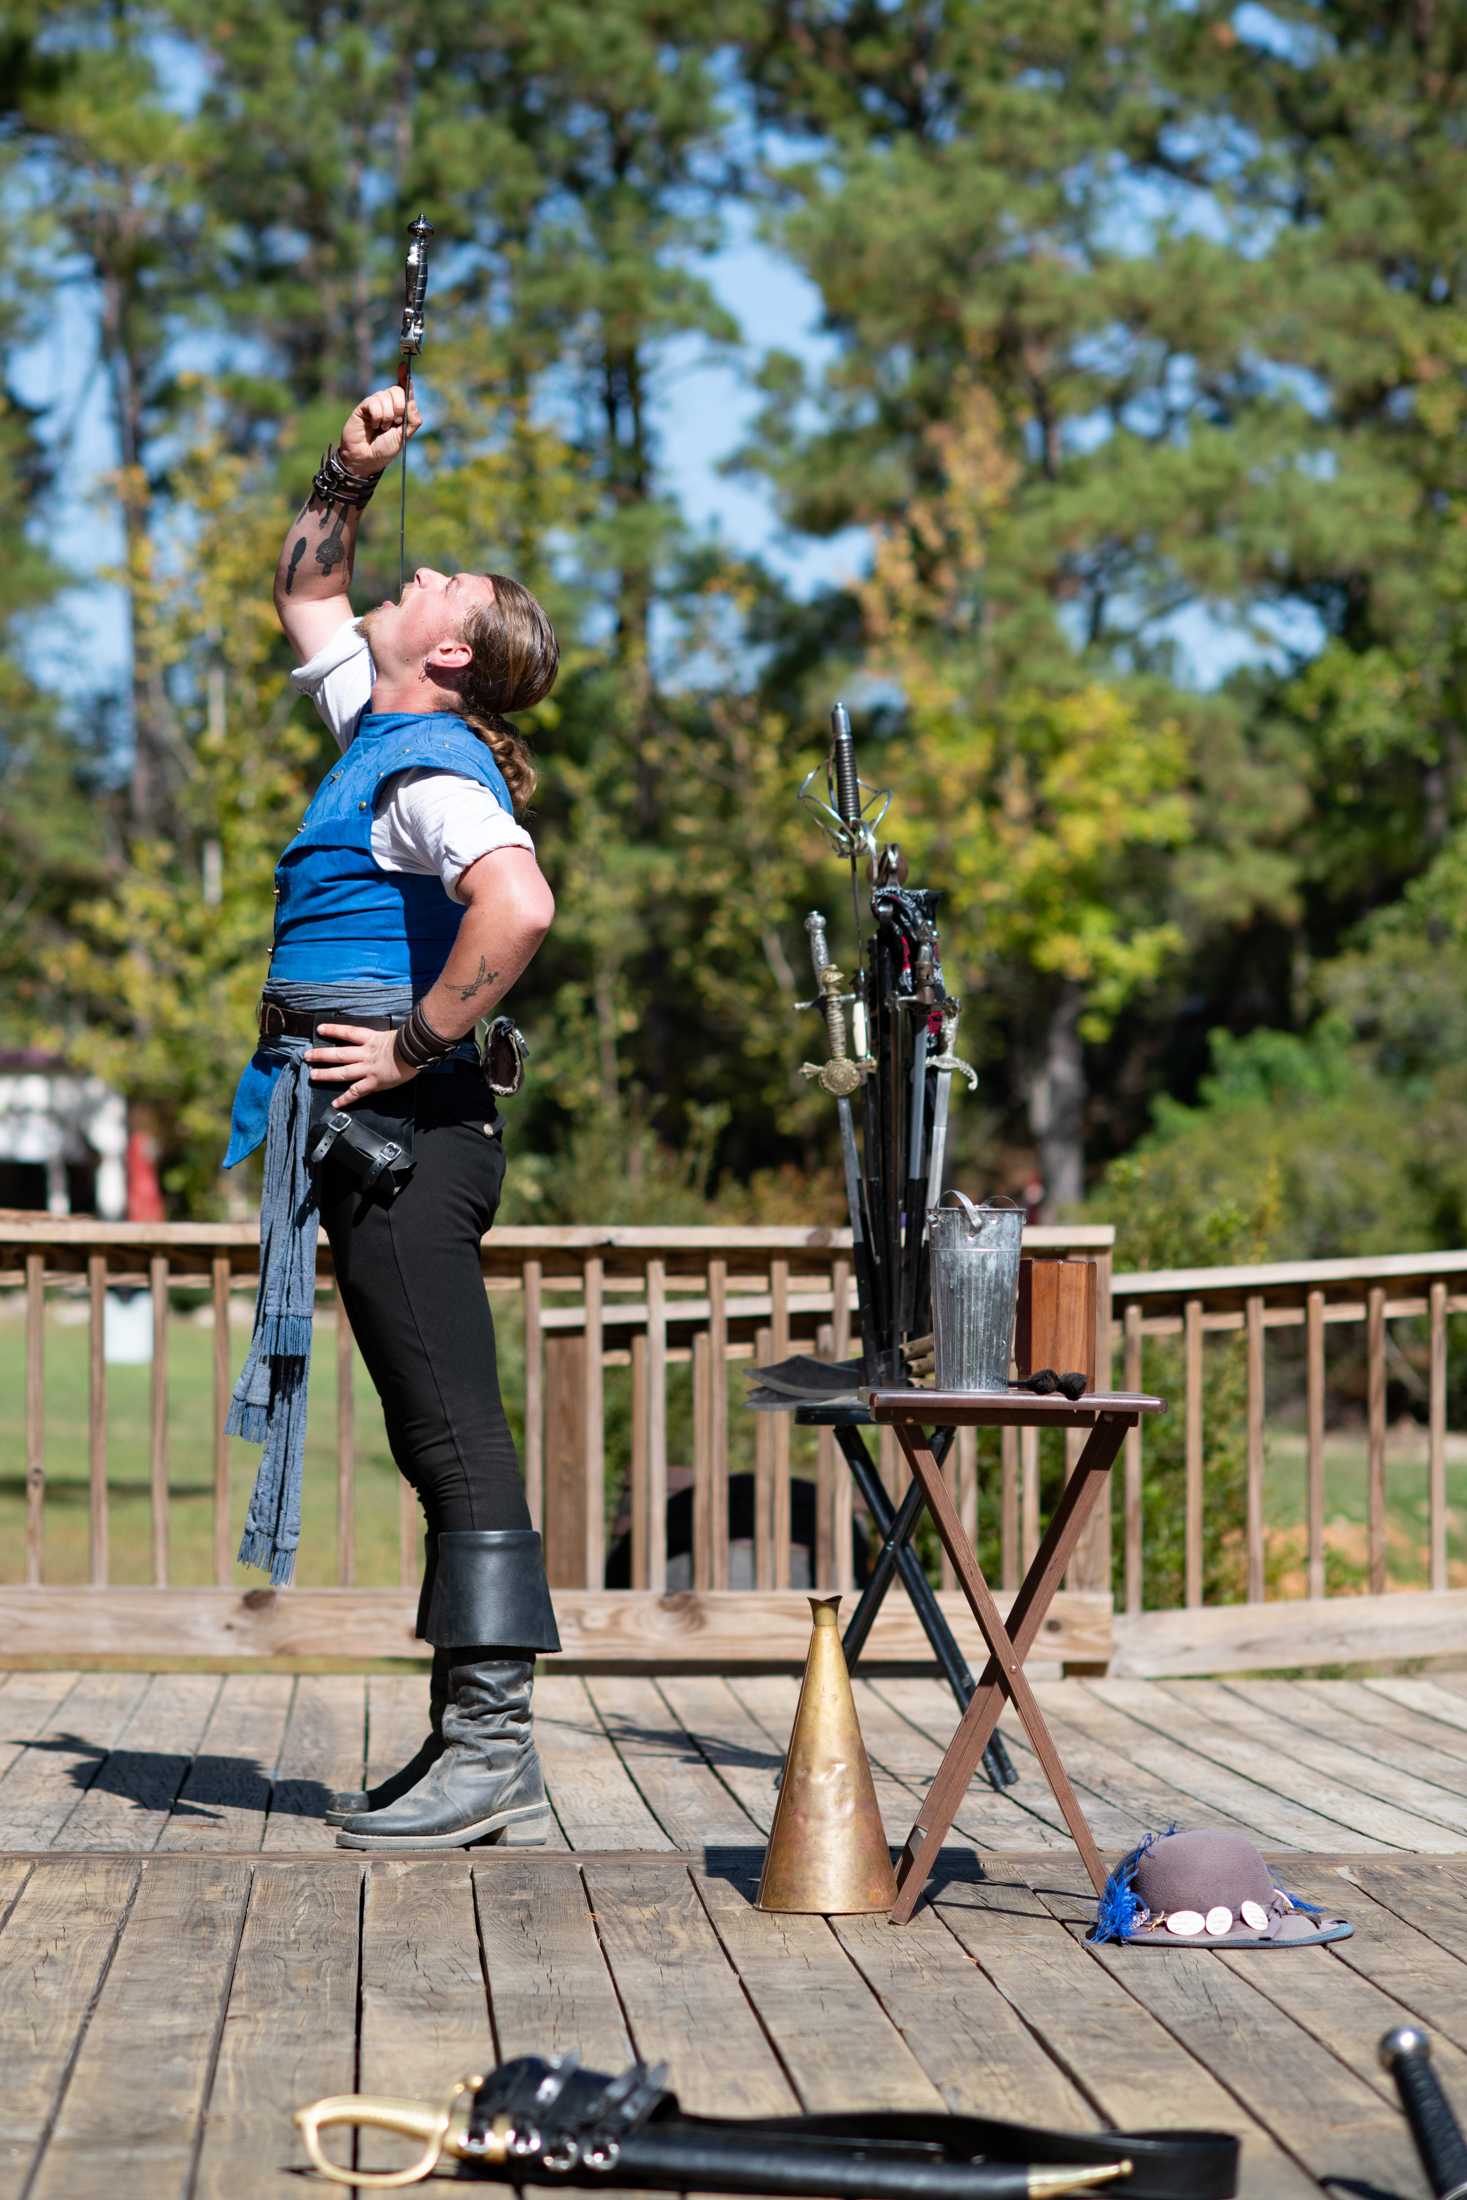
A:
x,y
975,1289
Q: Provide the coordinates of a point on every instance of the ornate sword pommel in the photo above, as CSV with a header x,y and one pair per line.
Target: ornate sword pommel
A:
x,y
415,291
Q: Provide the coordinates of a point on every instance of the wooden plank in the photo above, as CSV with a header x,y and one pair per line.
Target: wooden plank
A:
x,y
158,1421
593,1429
225,1799
128,1802
1430,1698
289,2032
1029,1495
1251,1745
142,2071
702,1462
637,1463
44,1783
35,1413
780,1344
656,1428
1137,2074
1253,1638
532,1286
346,1447
1131,1376
721,1627
58,1941
683,2004
1375,1439
1393,1756
1396,1948
1436,1440
1256,1407
97,1414
1387,1725
549,1989
594,1795
424,2014
814,2004
1314,1441
223,1385
689,1802
973,2045
731,1741
1009,1568
718,1483
28,1702
764,1465
322,1751
1214,1788
1433,1898
397,1720
1193,1449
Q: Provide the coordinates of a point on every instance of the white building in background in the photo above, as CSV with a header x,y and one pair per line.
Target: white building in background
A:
x,y
63,1138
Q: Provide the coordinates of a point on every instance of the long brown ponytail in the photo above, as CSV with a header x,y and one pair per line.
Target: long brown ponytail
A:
x,y
515,660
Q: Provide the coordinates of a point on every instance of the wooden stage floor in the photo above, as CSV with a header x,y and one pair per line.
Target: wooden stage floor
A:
x,y
185,1956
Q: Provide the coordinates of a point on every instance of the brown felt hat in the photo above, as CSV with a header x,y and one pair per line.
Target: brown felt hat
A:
x,y
1206,1889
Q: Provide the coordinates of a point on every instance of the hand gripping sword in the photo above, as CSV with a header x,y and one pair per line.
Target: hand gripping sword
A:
x,y
410,343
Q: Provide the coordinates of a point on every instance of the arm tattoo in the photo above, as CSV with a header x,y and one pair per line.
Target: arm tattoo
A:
x,y
297,553
330,553
484,977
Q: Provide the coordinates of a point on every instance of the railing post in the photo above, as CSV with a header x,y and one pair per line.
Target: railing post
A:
x,y
1089,1569
1436,1440
593,1488
1134,1502
1256,1395
223,1554
1375,1380
158,1421
532,1286
346,1431
842,1522
35,1414
1314,1441
97,1412
718,1424
656,1426
564,1526
1192,1393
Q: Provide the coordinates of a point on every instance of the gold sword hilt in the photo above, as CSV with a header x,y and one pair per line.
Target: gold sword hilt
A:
x,y
442,2130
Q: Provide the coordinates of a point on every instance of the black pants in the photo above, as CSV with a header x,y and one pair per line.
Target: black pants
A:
x,y
414,1292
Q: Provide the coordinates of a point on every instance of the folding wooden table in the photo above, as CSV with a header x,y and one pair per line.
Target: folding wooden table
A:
x,y
911,1413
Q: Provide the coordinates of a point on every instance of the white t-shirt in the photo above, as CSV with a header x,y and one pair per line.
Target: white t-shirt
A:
x,y
431,822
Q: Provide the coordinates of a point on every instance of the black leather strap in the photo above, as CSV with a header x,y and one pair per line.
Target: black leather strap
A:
x,y
629,2131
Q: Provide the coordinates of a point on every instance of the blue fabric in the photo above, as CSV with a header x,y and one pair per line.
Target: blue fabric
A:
x,y
269,1402
340,919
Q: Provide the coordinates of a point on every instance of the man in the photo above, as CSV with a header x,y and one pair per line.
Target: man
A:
x,y
407,904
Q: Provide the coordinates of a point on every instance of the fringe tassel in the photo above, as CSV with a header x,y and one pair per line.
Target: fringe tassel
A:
x,y
1119,1906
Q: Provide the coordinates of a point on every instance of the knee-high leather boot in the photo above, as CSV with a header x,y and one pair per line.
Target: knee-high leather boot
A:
x,y
489,1613
351,1802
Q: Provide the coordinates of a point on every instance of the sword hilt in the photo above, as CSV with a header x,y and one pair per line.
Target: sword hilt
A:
x,y
415,291
1406,2054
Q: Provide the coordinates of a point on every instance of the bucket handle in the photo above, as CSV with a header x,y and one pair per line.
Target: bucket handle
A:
x,y
973,1212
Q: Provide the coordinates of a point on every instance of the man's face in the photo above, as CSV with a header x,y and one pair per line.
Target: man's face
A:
x,y
431,609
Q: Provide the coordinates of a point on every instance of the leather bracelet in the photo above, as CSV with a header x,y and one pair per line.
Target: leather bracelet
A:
x,y
337,483
417,1043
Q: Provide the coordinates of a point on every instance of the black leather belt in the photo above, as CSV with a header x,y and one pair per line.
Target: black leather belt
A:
x,y
537,2122
302,1023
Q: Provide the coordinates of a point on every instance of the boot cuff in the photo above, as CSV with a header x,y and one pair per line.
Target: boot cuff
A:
x,y
489,1588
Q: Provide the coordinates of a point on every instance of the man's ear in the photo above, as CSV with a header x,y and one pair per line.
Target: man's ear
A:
x,y
449,655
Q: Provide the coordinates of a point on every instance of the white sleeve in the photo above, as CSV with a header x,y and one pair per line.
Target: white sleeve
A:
x,y
339,680
439,823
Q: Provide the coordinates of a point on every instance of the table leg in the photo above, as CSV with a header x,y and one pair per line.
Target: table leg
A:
x,y
1008,1647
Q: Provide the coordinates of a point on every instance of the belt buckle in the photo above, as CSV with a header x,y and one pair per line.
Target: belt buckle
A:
x,y
270,1027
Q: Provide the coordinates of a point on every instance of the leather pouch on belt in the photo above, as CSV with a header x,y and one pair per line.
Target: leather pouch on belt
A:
x,y
372,1143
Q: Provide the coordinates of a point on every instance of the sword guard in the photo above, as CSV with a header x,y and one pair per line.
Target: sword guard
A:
x,y
840,1076
951,1062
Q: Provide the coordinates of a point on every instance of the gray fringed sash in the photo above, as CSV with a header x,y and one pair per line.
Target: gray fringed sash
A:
x,y
269,1402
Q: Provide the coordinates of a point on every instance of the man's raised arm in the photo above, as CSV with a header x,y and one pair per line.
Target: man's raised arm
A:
x,y
315,565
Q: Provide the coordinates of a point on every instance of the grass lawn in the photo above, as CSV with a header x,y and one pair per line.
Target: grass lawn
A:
x,y
1346,1492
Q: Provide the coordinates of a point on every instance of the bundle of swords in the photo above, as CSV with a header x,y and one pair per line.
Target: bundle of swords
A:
x,y
890,1064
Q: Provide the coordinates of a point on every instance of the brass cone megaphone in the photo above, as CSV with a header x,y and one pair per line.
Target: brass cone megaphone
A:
x,y
827,1848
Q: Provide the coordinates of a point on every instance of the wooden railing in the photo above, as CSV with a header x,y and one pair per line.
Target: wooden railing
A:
x,y
623,1349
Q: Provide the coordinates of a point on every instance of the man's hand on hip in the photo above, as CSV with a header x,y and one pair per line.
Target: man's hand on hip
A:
x,y
363,1061
373,433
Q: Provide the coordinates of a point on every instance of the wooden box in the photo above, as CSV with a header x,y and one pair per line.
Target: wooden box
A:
x,y
1055,1322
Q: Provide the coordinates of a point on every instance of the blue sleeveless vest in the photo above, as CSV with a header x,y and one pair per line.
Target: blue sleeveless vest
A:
x,y
340,919
338,915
